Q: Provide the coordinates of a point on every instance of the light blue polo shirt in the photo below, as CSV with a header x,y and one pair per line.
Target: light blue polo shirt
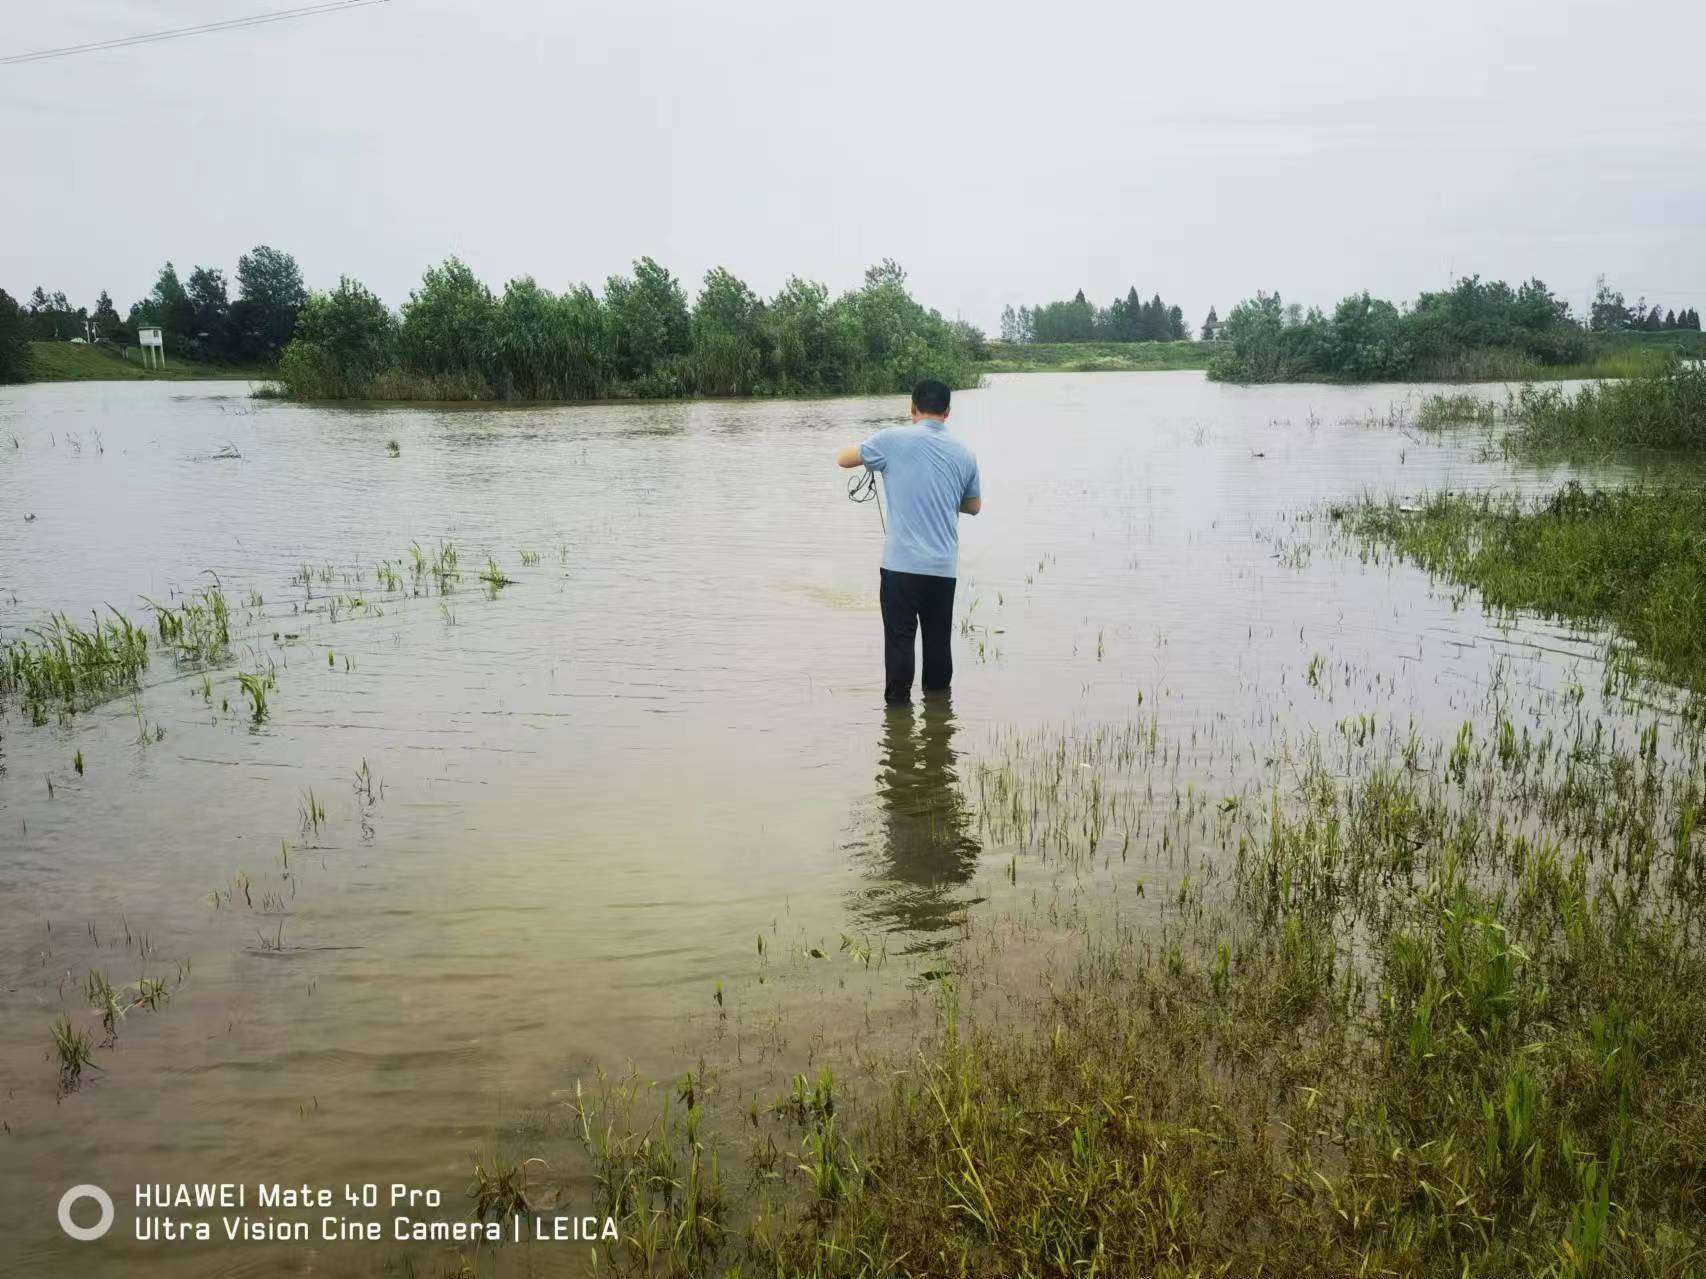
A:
x,y
926,474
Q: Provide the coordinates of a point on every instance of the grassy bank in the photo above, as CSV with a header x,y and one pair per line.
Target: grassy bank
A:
x,y
1658,412
1627,356
1665,412
1616,358
73,362
1095,357
1396,1037
1635,558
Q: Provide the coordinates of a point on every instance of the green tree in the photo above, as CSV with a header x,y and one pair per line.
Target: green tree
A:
x,y
51,319
546,347
881,339
650,327
1131,328
1367,340
344,341
210,313
970,341
270,295
448,325
1262,347
798,321
167,305
1015,325
1073,321
728,336
108,326
1155,321
15,358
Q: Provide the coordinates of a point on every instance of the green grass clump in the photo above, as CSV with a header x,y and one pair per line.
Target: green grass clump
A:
x,y
1456,409
255,687
61,664
1635,558
73,1049
198,631
1663,411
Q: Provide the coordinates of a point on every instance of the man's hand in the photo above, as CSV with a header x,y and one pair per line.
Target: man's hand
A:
x,y
849,457
971,506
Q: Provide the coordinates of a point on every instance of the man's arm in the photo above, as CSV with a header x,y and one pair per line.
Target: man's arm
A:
x,y
849,457
971,501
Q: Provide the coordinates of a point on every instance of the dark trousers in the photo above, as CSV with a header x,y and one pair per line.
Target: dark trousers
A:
x,y
914,601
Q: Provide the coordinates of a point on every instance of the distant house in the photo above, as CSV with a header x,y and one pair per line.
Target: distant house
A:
x,y
1215,331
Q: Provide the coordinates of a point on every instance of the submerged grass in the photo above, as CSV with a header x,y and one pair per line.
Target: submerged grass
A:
x,y
1445,1015
1633,557
1459,408
72,1046
1661,410
198,631
63,664
1666,411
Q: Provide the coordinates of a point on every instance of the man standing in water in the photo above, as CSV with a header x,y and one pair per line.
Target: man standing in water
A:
x,y
930,478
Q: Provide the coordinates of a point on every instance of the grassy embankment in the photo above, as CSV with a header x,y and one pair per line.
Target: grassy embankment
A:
x,y
1627,355
1633,557
1443,1016
1663,412
73,362
1095,357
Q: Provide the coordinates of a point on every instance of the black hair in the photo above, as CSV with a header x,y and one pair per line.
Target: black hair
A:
x,y
931,396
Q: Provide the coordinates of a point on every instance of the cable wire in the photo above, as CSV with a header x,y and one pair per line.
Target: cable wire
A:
x,y
862,488
177,33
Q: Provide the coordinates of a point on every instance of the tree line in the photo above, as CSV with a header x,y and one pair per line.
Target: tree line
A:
x,y
1127,319
199,316
457,339
1474,325
1610,314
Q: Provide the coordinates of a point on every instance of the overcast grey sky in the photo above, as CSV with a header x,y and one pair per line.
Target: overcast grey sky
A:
x,y
1001,152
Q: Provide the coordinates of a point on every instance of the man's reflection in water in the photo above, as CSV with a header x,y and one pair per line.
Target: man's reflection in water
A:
x,y
924,847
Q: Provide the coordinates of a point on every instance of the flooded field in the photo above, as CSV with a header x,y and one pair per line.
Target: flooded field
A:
x,y
573,752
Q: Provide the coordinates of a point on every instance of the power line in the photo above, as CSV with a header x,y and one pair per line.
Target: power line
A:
x,y
178,33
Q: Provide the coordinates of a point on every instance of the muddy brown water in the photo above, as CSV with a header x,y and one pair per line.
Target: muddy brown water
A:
x,y
590,794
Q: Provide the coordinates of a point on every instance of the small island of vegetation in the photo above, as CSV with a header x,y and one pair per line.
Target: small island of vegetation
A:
x,y
1474,331
456,340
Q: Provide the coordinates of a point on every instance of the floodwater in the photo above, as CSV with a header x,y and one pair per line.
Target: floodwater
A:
x,y
560,816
